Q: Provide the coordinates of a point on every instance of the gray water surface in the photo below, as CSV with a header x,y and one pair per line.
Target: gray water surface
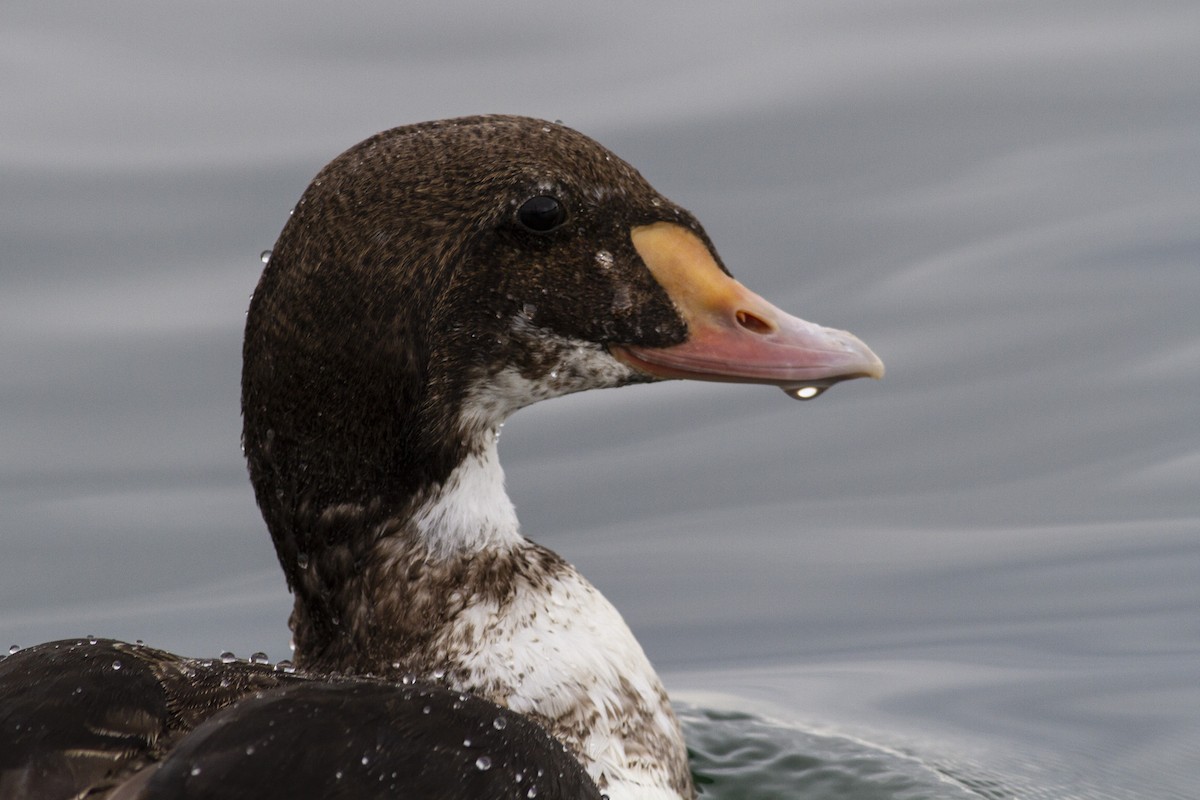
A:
x,y
980,577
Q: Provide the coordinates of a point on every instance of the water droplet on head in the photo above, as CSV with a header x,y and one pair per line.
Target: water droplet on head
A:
x,y
196,770
483,763
804,392
499,723
604,259
285,666
228,657
13,648
302,560
408,679
116,665
259,658
532,792
264,256
91,639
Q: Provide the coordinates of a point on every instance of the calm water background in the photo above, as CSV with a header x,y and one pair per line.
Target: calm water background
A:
x,y
987,565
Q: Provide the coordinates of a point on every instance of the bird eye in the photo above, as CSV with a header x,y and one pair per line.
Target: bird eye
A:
x,y
541,214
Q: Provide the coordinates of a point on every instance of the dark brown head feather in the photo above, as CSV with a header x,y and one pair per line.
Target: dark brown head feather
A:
x,y
394,287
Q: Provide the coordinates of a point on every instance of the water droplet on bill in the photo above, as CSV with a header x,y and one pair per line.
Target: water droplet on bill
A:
x,y
804,392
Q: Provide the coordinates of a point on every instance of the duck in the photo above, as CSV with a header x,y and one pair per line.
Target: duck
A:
x,y
431,281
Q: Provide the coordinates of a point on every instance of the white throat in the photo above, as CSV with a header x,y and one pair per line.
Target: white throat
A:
x,y
470,511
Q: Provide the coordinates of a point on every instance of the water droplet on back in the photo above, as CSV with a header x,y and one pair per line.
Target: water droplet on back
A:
x,y
483,763
264,256
228,657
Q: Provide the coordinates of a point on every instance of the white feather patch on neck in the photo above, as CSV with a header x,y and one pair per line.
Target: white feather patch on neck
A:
x,y
470,511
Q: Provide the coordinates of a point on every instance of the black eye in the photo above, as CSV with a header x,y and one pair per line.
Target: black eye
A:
x,y
541,214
